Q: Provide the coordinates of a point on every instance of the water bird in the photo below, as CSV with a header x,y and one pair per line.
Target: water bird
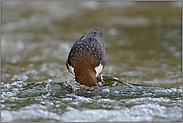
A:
x,y
87,58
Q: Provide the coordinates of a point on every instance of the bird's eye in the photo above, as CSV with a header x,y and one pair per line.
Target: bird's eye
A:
x,y
94,33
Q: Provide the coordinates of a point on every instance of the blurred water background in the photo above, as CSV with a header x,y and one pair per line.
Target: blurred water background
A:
x,y
143,71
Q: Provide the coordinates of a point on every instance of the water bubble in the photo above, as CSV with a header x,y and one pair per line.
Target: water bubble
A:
x,y
116,92
100,84
91,5
114,32
106,90
49,80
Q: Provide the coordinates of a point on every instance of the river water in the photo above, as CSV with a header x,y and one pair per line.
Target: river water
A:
x,y
143,72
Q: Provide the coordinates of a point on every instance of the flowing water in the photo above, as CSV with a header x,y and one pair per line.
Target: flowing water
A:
x,y
143,72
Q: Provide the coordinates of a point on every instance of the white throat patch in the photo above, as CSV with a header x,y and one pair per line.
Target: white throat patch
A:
x,y
71,69
98,69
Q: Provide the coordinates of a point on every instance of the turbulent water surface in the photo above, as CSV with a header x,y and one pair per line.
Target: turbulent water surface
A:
x,y
142,74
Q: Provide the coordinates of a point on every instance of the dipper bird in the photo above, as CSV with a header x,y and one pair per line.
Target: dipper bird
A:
x,y
87,58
